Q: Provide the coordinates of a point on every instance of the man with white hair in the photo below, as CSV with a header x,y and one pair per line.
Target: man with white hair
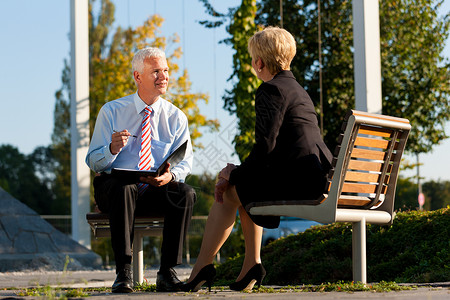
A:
x,y
138,132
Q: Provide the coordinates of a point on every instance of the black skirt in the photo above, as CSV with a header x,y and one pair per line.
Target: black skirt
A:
x,y
303,181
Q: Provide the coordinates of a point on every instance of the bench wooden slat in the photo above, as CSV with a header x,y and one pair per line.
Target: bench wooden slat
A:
x,y
368,154
359,188
364,165
358,165
360,176
353,202
377,131
373,143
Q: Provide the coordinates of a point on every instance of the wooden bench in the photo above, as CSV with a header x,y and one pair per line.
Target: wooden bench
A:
x,y
143,226
361,183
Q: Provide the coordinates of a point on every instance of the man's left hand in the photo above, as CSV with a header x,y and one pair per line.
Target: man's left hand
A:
x,y
161,180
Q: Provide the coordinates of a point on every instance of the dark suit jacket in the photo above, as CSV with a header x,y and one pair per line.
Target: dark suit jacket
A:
x,y
289,150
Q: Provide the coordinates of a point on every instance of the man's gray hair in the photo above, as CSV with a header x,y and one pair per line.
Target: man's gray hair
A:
x,y
137,63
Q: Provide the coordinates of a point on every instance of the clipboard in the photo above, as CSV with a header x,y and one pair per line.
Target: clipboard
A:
x,y
173,159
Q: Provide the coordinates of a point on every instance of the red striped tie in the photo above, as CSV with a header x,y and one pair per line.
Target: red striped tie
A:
x,y
146,151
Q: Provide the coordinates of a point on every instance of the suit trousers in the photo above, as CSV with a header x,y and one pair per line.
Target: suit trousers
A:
x,y
120,198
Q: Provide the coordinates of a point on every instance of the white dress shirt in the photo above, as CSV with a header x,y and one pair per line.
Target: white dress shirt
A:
x,y
169,129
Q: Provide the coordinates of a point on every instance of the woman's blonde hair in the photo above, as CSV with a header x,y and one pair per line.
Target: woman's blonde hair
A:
x,y
275,46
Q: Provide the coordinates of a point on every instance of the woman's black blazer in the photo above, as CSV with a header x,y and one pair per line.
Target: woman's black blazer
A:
x,y
286,131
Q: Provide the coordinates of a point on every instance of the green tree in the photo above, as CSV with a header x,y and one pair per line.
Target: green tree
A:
x,y
61,142
204,185
110,53
415,74
44,164
415,81
18,177
437,194
240,99
406,195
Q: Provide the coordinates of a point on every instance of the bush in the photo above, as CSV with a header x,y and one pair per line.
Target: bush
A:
x,y
416,248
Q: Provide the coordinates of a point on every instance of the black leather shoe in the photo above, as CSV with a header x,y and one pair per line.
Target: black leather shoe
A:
x,y
167,281
123,283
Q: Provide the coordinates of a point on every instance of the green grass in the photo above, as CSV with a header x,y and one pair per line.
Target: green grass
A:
x,y
48,292
337,287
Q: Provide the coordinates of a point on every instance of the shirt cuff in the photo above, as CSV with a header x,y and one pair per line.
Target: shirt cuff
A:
x,y
108,155
174,177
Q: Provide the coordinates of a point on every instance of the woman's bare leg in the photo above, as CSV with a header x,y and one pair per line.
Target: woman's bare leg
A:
x,y
253,236
218,227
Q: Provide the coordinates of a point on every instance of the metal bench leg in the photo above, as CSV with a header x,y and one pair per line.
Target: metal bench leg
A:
x,y
138,259
359,251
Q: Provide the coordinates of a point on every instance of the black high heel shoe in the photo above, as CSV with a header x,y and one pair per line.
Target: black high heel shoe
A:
x,y
206,274
255,275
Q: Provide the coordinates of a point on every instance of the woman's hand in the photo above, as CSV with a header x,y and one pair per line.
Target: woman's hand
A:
x,y
223,182
221,186
225,173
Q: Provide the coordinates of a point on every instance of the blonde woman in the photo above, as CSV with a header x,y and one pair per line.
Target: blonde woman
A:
x,y
288,162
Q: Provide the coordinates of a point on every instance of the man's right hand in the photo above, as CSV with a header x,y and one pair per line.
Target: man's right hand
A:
x,y
118,141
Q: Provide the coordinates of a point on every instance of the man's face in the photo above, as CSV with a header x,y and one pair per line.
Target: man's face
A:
x,y
154,79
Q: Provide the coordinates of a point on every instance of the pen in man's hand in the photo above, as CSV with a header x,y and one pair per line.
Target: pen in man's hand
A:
x,y
130,135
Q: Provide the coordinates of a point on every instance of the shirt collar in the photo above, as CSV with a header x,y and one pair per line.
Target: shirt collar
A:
x,y
140,104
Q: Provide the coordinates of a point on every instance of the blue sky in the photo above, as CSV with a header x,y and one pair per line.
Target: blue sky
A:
x,y
35,41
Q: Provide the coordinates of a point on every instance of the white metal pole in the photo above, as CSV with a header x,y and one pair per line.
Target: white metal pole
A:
x,y
367,59
359,251
79,119
138,259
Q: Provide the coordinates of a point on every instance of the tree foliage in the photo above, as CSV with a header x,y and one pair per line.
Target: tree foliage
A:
x,y
18,176
437,194
415,75
61,141
240,99
203,185
406,195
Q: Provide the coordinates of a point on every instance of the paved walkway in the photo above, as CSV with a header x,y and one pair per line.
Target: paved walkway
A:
x,y
84,279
